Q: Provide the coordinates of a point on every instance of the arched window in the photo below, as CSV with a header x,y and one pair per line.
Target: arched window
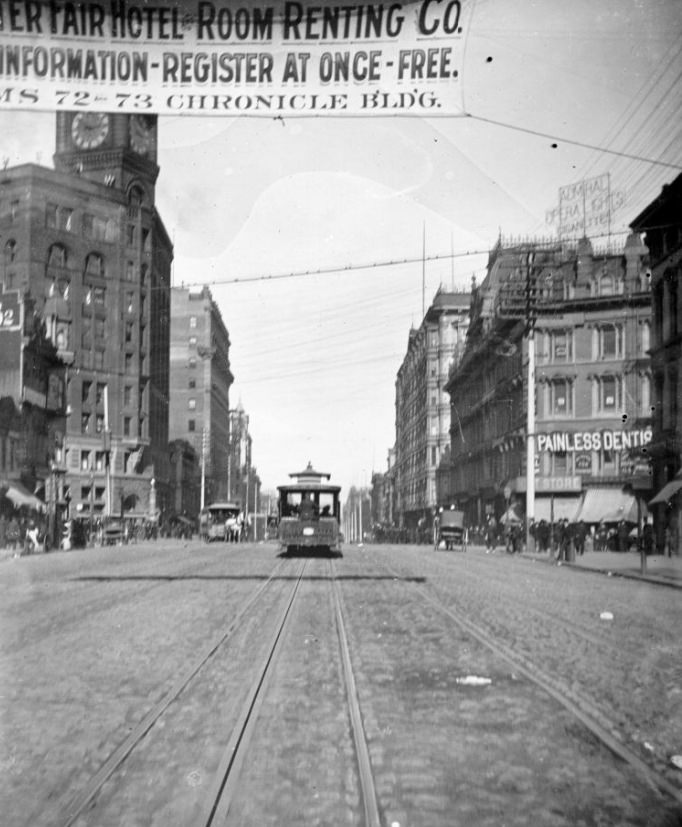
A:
x,y
607,285
136,196
56,256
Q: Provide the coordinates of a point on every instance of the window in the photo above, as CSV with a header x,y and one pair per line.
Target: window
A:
x,y
128,362
85,460
561,397
610,341
130,271
85,391
192,404
129,327
607,285
127,395
100,459
192,363
131,235
644,338
561,345
192,341
130,302
192,383
191,425
560,467
126,425
85,423
99,295
99,423
94,265
56,256
192,321
10,252
609,399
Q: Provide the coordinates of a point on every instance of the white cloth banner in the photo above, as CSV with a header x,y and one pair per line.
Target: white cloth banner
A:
x,y
306,58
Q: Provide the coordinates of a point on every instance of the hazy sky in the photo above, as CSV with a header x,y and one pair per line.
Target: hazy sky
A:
x,y
315,357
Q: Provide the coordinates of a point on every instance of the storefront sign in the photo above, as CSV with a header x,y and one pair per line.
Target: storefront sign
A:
x,y
196,57
607,440
558,484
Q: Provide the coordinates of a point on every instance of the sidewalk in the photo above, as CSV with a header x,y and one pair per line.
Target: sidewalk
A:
x,y
659,569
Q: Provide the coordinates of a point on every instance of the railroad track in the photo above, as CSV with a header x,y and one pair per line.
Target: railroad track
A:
x,y
583,711
84,798
218,796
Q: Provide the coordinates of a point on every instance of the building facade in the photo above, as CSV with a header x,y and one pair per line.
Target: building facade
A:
x,y
86,243
591,316
200,386
243,481
422,406
661,222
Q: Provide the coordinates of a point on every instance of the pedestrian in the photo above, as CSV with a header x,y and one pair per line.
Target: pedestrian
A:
x,y
543,535
579,536
648,538
623,536
490,535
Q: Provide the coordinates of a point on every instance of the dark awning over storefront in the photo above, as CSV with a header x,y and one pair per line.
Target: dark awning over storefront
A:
x,y
669,490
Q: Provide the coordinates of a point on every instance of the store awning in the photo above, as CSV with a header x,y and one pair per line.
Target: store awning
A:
x,y
510,516
610,505
669,490
565,508
21,496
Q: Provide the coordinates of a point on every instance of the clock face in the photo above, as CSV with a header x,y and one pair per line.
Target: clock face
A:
x,y
142,133
89,129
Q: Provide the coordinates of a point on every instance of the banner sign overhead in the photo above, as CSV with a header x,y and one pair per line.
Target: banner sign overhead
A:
x,y
206,57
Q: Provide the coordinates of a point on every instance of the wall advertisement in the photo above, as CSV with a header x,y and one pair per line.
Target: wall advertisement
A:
x,y
207,57
605,440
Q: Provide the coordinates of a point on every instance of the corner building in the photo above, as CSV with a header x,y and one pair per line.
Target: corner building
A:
x,y
592,391
422,408
87,244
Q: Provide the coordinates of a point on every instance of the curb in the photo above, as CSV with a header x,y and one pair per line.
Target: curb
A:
x,y
628,575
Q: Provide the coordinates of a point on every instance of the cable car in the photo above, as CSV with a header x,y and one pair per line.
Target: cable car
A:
x,y
309,512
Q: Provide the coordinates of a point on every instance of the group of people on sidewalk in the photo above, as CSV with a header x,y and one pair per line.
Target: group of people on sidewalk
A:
x,y
564,539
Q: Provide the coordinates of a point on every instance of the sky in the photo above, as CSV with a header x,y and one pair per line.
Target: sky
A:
x,y
323,239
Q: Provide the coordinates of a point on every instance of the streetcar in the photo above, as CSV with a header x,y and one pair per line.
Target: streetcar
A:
x,y
309,513
219,521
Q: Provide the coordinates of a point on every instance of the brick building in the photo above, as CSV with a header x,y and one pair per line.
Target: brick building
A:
x,y
85,242
200,385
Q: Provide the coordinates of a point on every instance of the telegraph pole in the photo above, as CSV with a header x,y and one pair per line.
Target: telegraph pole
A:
x,y
530,417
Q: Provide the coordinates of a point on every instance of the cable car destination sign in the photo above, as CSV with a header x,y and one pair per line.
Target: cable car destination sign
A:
x,y
244,58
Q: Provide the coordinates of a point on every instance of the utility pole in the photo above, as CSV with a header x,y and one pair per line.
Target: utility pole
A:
x,y
203,469
531,311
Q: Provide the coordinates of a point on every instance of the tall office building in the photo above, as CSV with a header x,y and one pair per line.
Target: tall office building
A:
x,y
200,385
90,250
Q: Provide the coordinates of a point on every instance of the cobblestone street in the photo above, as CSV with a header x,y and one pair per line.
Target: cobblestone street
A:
x,y
478,678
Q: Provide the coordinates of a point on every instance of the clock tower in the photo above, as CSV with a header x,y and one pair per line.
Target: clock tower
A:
x,y
110,148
